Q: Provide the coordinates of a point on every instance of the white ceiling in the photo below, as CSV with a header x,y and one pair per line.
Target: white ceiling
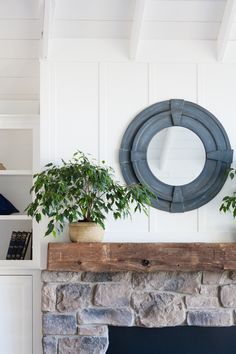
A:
x,y
115,19
165,19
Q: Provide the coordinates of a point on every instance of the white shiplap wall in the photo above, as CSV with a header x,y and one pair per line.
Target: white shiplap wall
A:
x,y
91,104
19,54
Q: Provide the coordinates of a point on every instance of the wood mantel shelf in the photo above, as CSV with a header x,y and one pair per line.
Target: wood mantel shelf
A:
x,y
141,257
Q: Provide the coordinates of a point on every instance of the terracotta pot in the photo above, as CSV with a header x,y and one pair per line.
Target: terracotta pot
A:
x,y
85,232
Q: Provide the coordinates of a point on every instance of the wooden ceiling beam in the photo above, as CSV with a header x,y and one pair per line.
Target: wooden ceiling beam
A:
x,y
136,30
226,28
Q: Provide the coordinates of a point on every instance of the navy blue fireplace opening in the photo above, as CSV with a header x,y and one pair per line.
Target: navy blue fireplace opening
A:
x,y
172,340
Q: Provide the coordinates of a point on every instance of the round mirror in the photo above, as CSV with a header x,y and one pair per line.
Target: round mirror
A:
x,y
180,151
176,156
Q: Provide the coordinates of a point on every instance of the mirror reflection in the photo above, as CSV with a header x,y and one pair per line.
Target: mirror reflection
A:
x,y
176,156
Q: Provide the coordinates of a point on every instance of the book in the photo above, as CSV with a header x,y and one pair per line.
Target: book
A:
x,y
16,244
11,245
20,246
21,243
27,249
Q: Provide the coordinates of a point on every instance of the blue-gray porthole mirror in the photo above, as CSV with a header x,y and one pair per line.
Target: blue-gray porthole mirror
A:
x,y
148,155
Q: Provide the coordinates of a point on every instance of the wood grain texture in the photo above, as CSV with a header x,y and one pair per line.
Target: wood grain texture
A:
x,y
141,257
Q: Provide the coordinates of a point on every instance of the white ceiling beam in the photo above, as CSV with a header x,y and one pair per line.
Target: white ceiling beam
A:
x,y
225,28
47,30
40,6
136,30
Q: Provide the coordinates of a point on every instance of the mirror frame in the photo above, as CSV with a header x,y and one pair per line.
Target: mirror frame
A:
x,y
176,112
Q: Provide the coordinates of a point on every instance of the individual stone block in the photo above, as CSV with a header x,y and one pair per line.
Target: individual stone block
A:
x,y
59,324
71,297
83,345
60,277
108,316
112,295
209,290
91,277
199,301
158,310
219,318
232,276
215,278
48,297
95,331
183,282
150,281
228,295
49,345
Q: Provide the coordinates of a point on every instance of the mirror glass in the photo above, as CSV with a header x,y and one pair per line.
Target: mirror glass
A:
x,y
176,156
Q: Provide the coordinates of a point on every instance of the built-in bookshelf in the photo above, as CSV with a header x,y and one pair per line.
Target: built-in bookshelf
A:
x,y
19,152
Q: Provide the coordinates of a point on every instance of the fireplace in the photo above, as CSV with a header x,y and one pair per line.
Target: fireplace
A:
x,y
172,340
83,310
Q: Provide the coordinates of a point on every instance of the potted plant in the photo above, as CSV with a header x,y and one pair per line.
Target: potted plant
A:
x,y
81,192
229,201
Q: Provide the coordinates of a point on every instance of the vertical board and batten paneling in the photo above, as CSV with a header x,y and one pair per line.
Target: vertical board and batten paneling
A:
x,y
218,85
127,94
100,99
75,109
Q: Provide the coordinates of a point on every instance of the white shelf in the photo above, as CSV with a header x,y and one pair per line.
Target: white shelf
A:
x,y
15,217
22,161
17,264
16,172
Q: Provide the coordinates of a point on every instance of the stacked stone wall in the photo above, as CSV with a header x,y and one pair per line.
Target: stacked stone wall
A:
x,y
79,307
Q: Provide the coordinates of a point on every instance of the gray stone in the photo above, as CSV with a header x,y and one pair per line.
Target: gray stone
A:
x,y
228,295
71,297
91,277
49,345
112,295
150,281
232,276
107,316
59,324
200,301
215,278
219,318
48,297
83,345
183,282
209,290
60,277
158,310
95,331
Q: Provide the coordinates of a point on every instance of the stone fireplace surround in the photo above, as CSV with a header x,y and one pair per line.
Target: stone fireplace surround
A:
x,y
78,306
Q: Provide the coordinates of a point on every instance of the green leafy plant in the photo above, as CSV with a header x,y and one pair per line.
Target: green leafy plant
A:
x,y
82,190
229,201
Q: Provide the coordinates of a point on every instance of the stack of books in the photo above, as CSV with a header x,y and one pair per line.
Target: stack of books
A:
x,y
20,245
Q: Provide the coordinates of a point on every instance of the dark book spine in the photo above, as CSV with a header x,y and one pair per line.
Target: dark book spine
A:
x,y
11,245
21,244
16,244
26,245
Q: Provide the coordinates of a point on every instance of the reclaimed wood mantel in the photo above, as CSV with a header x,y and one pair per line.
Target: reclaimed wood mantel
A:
x,y
141,257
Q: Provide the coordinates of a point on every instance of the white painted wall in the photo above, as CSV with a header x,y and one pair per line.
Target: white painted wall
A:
x,y
88,104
